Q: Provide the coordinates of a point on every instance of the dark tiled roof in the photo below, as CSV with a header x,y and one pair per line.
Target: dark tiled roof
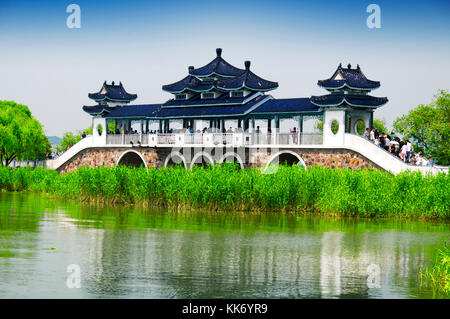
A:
x,y
247,79
217,110
351,99
197,100
143,110
353,78
97,109
189,83
113,93
217,66
286,106
156,111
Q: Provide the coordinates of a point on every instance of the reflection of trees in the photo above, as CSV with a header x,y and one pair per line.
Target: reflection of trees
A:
x,y
19,225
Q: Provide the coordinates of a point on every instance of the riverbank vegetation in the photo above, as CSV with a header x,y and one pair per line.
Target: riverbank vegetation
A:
x,y
21,135
437,277
365,193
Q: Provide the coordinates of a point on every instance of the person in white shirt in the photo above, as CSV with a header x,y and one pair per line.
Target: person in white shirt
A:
x,y
372,135
403,152
408,150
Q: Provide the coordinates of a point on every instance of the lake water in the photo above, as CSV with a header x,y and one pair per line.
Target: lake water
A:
x,y
131,252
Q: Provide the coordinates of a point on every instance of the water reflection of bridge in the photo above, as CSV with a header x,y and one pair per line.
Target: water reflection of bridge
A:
x,y
191,264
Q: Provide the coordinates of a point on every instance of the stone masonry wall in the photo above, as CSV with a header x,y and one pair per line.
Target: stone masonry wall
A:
x,y
155,157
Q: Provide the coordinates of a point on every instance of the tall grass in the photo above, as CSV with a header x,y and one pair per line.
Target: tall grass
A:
x,y
366,193
437,277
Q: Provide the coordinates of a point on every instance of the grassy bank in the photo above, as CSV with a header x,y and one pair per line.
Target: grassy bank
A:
x,y
437,277
365,193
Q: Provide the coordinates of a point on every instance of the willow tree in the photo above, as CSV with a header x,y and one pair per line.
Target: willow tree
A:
x,y
21,135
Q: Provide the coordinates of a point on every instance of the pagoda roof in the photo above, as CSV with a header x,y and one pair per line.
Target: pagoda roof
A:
x,y
356,100
189,83
217,110
197,100
112,92
246,80
218,66
156,111
348,77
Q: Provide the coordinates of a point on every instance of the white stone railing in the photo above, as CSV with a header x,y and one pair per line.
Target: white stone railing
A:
x,y
214,139
384,159
67,155
350,142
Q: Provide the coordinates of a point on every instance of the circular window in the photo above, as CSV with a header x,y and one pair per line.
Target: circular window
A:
x,y
359,127
334,126
99,129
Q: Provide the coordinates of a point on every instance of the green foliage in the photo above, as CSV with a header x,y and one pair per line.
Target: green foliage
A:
x,y
360,127
428,127
319,125
437,277
380,125
69,139
364,193
334,126
21,135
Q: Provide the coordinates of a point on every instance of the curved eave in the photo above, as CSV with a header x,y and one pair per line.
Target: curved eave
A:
x,y
248,88
351,104
102,111
212,74
348,86
113,100
187,89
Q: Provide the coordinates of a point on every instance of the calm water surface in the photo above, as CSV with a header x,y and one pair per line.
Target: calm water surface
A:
x,y
142,253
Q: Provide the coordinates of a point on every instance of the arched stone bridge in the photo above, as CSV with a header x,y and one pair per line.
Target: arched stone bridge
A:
x,y
353,152
188,157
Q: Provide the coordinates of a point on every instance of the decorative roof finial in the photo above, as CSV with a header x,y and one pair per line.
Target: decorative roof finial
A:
x,y
357,66
190,68
247,65
349,66
112,83
340,65
219,51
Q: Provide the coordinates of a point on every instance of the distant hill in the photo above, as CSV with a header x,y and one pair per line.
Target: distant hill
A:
x,y
54,140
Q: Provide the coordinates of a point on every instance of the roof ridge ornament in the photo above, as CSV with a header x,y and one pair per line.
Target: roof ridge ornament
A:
x,y
349,66
190,68
247,65
219,52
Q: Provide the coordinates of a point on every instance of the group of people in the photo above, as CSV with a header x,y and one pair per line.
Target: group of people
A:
x,y
400,148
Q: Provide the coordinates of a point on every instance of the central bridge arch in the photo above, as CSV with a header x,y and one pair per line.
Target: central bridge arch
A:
x,y
175,158
288,157
202,159
232,155
131,158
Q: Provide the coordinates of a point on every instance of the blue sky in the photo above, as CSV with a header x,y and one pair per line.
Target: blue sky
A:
x,y
52,68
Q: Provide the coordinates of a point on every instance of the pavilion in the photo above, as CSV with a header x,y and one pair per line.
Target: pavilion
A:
x,y
221,98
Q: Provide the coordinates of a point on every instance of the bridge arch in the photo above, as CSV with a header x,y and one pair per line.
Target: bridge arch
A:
x,y
204,155
232,154
131,158
286,156
174,155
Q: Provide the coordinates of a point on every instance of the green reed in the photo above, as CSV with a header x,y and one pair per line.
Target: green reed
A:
x,y
437,277
342,192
